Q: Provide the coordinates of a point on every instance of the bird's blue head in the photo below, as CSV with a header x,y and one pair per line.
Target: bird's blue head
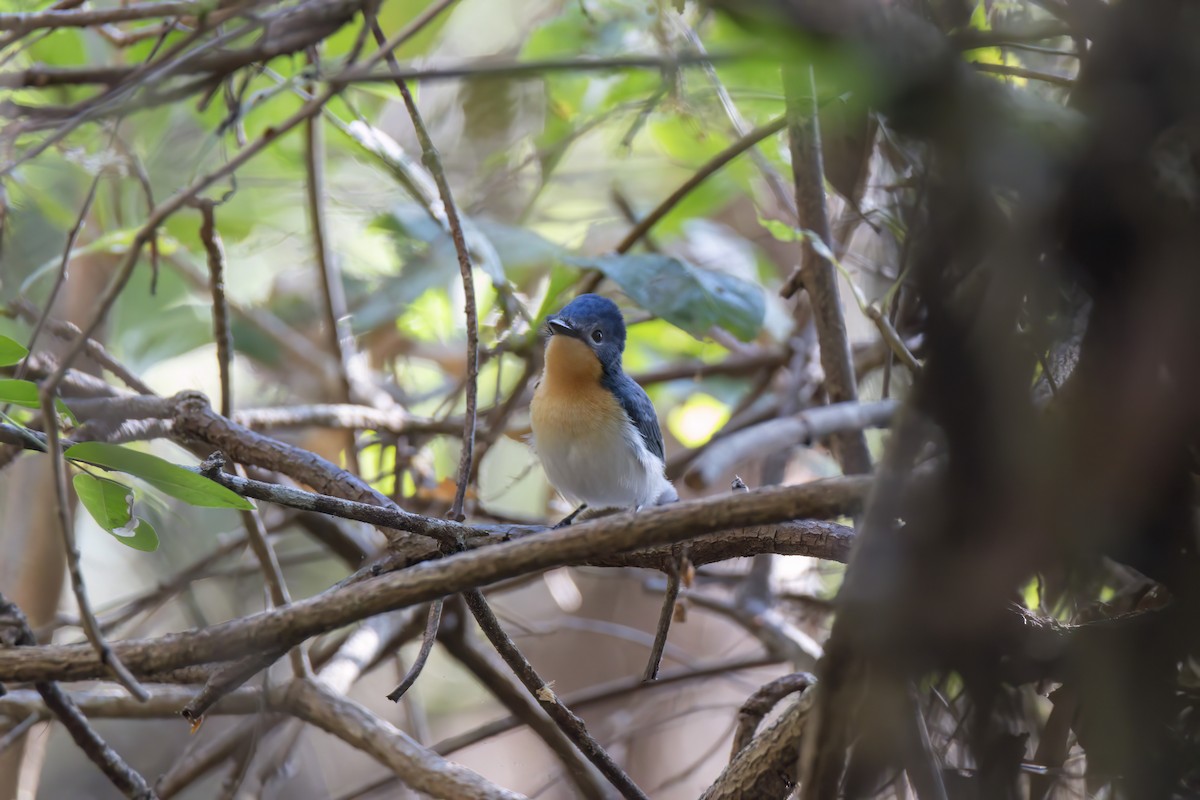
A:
x,y
597,322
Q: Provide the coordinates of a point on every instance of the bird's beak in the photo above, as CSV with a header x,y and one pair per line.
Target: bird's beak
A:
x,y
558,325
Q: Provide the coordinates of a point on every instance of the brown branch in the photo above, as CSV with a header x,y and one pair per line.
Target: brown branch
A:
x,y
394,419
759,704
819,275
23,23
66,529
215,249
605,692
94,350
333,293
713,166
124,777
419,768
766,767
433,162
568,722
597,539
427,640
512,696
665,616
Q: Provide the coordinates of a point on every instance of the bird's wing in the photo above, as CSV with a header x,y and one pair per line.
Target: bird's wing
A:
x,y
641,412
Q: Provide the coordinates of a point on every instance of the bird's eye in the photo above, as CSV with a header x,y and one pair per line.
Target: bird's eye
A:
x,y
597,336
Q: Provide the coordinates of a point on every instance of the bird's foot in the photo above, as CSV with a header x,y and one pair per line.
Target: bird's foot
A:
x,y
569,518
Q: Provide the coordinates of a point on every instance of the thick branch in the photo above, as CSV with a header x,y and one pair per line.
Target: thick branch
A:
x,y
284,627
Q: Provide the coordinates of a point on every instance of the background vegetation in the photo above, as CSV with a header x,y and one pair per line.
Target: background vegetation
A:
x,y
910,283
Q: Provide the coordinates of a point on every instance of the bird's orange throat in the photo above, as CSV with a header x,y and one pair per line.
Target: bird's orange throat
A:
x,y
571,366
569,400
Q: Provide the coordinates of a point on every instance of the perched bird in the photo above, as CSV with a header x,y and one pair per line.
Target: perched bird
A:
x,y
594,428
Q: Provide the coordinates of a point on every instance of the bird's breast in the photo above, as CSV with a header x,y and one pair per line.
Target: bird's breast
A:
x,y
569,401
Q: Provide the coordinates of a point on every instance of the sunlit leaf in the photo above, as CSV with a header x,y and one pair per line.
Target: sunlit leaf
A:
x,y
172,479
11,351
111,505
685,295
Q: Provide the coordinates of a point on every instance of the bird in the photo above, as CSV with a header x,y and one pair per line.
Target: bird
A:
x,y
594,428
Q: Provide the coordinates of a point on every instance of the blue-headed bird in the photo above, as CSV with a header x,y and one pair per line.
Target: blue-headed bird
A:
x,y
594,427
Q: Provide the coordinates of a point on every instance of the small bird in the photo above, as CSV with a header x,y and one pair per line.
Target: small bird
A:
x,y
594,428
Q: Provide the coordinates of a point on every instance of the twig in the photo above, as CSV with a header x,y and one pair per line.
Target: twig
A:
x,y
512,696
94,350
774,180
759,704
272,574
211,238
819,275
778,635
1014,71
333,294
670,598
61,277
605,692
430,636
21,24
124,777
531,70
66,529
394,419
14,734
419,768
567,720
433,162
706,171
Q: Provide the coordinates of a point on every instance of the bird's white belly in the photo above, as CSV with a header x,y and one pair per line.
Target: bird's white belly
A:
x,y
607,468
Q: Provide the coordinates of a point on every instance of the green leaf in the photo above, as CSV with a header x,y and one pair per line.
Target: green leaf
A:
x,y
25,394
111,505
172,479
11,351
685,295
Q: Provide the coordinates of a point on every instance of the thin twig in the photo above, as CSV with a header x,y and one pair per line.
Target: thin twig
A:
x,y
433,162
1014,71
490,672
606,692
61,277
567,720
333,294
272,574
213,247
66,529
14,734
670,598
430,636
712,166
22,23
124,777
